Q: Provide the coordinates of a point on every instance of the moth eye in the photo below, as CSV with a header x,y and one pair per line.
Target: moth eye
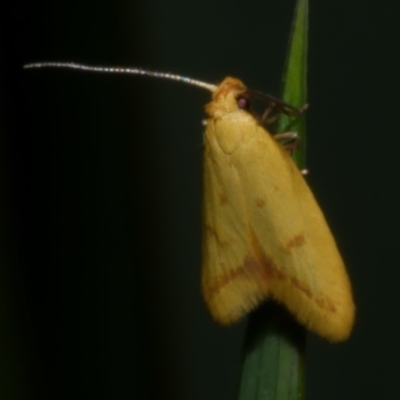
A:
x,y
243,102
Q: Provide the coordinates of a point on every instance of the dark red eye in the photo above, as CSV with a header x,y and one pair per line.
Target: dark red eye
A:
x,y
243,102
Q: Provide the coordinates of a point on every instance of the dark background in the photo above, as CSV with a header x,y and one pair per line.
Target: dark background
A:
x,y
101,192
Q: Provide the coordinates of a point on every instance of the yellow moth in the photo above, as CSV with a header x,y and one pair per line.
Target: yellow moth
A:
x,y
264,235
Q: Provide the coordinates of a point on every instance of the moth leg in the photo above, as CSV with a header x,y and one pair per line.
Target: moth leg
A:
x,y
289,140
276,108
294,116
266,119
303,108
286,136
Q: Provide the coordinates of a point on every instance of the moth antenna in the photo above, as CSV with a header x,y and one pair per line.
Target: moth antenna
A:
x,y
120,70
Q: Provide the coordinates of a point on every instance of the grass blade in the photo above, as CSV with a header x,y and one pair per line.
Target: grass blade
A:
x,y
273,362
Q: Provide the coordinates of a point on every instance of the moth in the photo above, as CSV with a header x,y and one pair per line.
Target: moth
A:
x,y
264,235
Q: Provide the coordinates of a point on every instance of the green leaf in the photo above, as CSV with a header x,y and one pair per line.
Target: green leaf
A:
x,y
273,360
294,86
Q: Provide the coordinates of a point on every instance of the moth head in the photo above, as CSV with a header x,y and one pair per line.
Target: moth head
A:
x,y
228,97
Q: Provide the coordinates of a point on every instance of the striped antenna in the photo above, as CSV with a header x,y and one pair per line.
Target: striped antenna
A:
x,y
119,70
